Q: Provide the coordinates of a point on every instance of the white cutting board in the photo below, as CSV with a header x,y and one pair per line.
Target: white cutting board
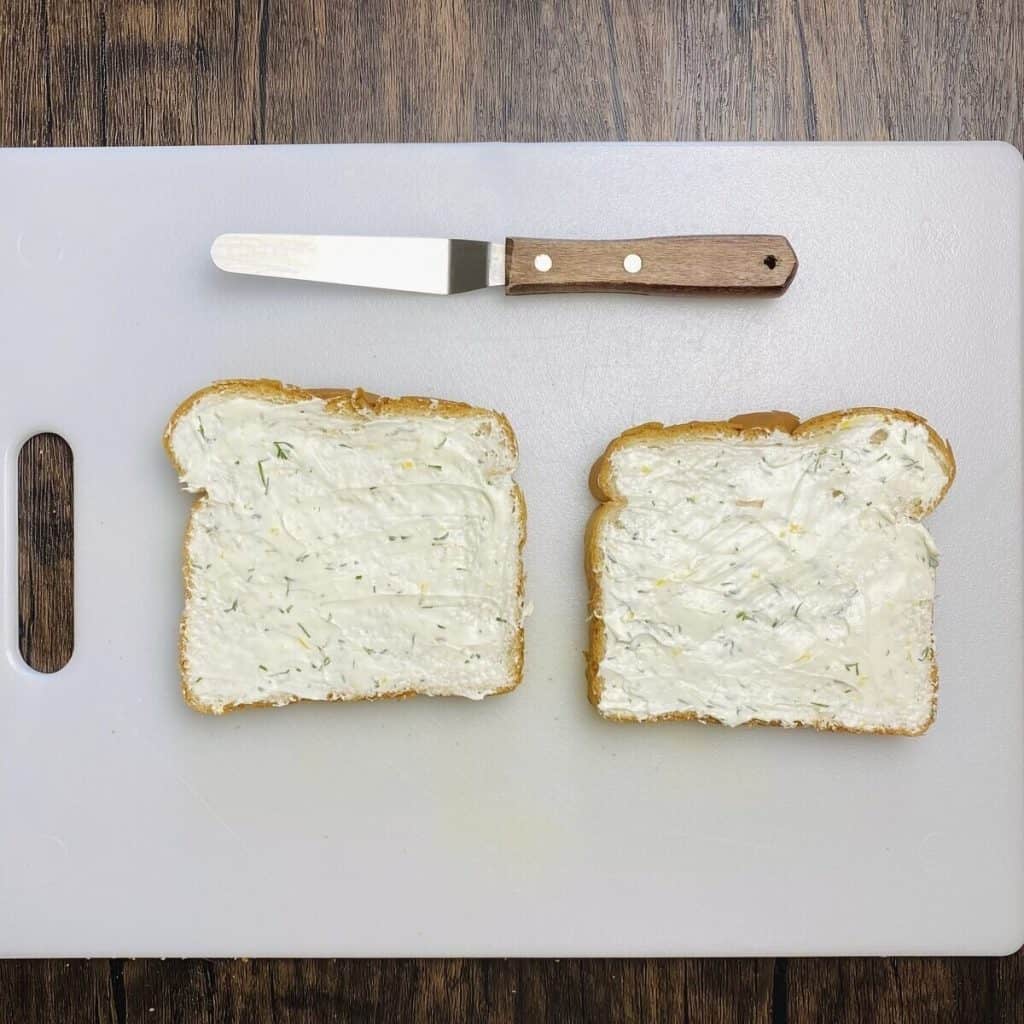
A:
x,y
524,824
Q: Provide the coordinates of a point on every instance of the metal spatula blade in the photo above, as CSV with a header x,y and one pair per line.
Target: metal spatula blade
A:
x,y
437,266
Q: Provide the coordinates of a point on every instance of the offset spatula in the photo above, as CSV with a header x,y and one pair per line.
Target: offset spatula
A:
x,y
755,264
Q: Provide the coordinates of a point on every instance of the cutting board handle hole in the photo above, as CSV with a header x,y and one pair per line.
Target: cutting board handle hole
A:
x,y
46,552
770,262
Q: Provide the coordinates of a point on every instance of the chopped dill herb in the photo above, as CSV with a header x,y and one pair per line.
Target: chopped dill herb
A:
x,y
743,616
432,465
263,476
855,665
288,581
304,630
234,606
279,449
262,668
202,432
302,558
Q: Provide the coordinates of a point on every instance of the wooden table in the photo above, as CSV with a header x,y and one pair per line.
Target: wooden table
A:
x,y
103,72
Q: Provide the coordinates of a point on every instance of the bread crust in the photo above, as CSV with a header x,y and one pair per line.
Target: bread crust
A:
x,y
756,424
352,402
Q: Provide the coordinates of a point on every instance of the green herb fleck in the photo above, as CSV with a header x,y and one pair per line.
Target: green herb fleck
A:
x,y
302,558
444,441
263,476
288,581
927,654
743,616
234,606
855,665
202,432
796,610
262,668
933,559
359,577
444,536
279,449
304,630
432,465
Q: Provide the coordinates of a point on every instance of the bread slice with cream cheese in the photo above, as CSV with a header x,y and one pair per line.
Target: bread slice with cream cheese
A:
x,y
346,547
767,571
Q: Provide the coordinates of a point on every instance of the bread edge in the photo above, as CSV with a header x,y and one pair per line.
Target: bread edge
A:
x,y
361,403
757,424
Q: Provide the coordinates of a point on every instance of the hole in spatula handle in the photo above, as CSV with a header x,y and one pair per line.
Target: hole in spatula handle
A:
x,y
46,552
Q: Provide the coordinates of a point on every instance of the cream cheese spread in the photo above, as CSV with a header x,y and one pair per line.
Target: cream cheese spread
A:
x,y
773,578
339,554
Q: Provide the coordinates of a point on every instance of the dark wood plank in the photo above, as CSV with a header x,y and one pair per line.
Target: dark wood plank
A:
x,y
69,991
453,991
170,72
98,72
961,990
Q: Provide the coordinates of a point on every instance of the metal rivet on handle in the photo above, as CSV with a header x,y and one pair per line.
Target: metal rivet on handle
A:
x,y
632,263
542,262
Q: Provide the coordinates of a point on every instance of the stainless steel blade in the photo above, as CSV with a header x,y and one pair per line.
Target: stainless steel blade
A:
x,y
438,266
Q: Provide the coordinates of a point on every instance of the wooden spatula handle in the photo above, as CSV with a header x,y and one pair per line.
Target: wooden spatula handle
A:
x,y
756,264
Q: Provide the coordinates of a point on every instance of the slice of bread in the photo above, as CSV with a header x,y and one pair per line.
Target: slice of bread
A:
x,y
768,571
346,547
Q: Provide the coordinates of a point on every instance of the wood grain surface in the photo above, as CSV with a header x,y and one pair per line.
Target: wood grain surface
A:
x,y
168,72
741,264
